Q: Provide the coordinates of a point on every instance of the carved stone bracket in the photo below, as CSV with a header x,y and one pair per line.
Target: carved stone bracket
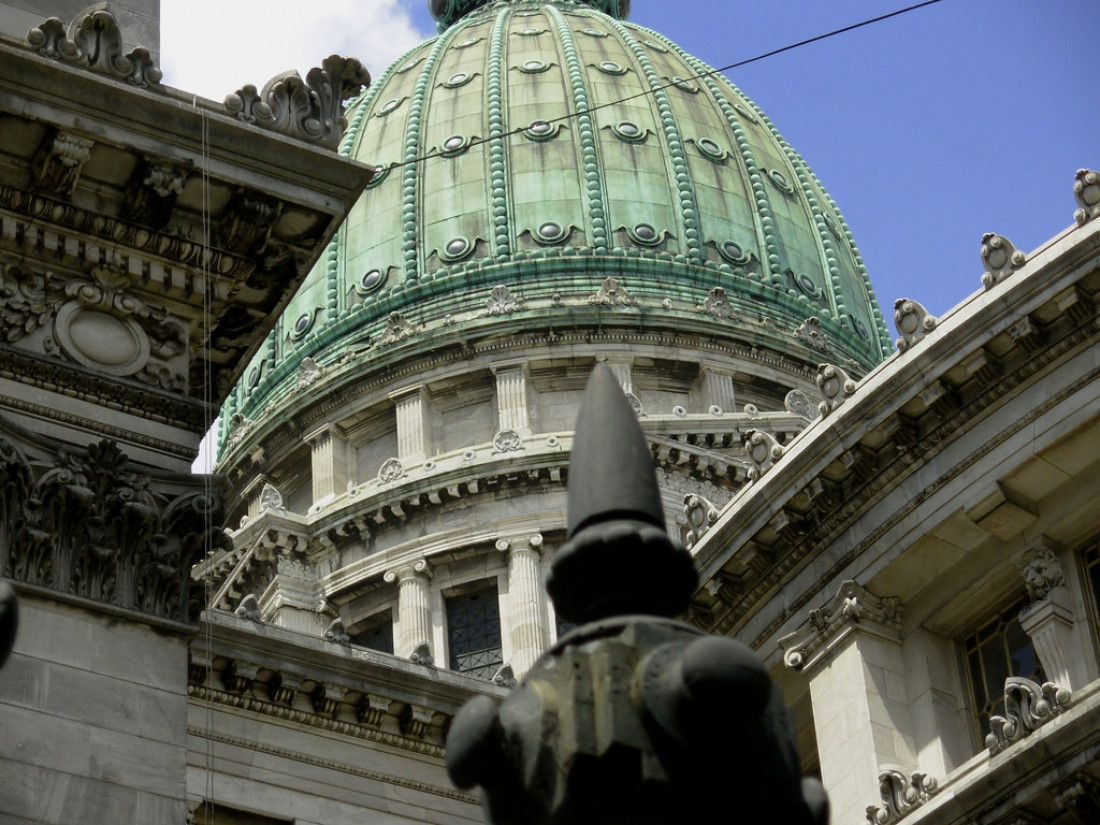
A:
x,y
249,608
835,385
505,677
94,41
248,220
699,515
812,335
336,632
612,293
912,321
1086,191
717,304
152,192
763,451
1028,706
1000,259
1081,796
852,604
311,110
422,655
271,499
56,166
901,793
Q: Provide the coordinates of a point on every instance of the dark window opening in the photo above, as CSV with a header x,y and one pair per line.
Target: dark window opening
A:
x,y
473,632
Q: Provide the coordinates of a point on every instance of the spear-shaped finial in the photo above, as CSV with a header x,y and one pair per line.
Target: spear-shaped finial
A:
x,y
619,559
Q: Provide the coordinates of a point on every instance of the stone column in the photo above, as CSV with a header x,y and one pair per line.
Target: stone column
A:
x,y
329,463
414,610
527,625
512,411
716,385
851,653
1051,620
414,430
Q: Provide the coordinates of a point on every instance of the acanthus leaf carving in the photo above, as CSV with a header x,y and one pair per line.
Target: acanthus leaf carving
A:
x,y
310,110
835,385
271,499
912,321
811,334
309,373
717,303
900,793
1086,191
94,41
1028,706
397,330
503,302
1000,259
91,525
612,293
852,604
152,192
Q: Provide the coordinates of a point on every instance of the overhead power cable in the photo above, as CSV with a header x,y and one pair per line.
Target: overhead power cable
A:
x,y
649,92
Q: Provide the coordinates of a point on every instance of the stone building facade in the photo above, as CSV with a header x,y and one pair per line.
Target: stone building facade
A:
x,y
908,539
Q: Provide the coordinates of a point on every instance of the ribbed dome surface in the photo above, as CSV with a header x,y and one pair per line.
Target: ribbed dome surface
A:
x,y
544,146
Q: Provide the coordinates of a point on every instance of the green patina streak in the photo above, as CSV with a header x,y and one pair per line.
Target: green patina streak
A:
x,y
597,200
685,189
498,168
412,148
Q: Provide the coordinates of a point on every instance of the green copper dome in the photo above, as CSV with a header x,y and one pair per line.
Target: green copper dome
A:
x,y
540,148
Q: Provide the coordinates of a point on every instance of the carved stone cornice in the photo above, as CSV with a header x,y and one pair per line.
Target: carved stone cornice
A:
x,y
852,605
86,522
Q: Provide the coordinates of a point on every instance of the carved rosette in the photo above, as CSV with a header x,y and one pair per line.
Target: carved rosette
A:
x,y
309,373
1000,259
835,385
507,441
799,403
391,470
912,321
852,604
763,451
1028,706
1086,191
901,793
612,293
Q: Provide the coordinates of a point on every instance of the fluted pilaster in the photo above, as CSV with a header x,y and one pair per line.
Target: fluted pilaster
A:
x,y
527,625
414,431
512,411
329,462
414,609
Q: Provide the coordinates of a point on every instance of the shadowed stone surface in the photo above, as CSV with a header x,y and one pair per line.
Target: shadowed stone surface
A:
x,y
630,718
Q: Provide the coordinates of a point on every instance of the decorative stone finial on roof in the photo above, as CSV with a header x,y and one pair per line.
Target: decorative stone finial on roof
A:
x,y
763,451
311,110
1000,258
94,41
913,322
1028,706
1086,191
901,793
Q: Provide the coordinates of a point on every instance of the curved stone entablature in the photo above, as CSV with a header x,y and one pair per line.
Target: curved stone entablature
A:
x,y
504,158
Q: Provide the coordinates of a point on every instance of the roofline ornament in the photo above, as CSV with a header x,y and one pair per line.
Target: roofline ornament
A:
x,y
1000,258
311,110
1086,191
94,41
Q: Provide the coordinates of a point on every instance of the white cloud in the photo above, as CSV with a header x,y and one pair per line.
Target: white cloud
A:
x,y
213,47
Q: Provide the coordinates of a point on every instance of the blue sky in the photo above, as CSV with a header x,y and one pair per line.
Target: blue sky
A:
x,y
964,117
